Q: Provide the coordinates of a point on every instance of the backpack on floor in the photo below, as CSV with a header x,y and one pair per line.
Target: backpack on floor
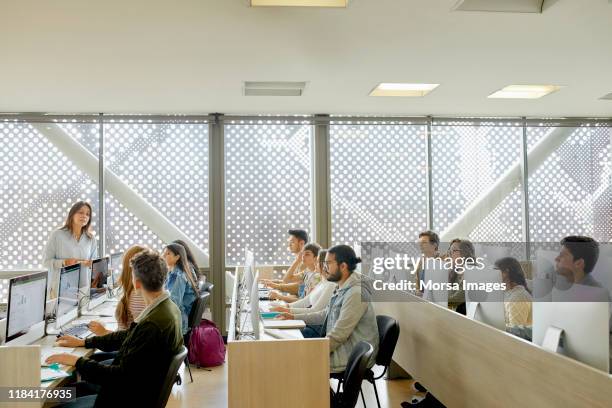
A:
x,y
206,347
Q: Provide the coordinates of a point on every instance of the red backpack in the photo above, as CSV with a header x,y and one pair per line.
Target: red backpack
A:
x,y
206,347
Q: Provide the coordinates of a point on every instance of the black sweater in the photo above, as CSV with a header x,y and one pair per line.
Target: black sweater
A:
x,y
144,354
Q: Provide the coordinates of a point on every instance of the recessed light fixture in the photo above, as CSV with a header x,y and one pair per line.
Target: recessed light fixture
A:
x,y
402,89
299,3
278,88
524,91
607,97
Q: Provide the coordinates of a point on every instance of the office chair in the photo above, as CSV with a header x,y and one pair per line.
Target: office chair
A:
x,y
356,368
388,333
195,318
172,377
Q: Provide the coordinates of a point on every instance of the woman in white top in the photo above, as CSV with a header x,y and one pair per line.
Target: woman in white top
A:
x,y
317,299
73,243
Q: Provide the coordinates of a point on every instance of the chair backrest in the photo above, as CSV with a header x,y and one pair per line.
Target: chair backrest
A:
x,y
355,371
388,333
197,310
206,287
171,377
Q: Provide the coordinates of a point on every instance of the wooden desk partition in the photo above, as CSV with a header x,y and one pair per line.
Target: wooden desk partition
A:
x,y
20,367
275,373
278,373
465,363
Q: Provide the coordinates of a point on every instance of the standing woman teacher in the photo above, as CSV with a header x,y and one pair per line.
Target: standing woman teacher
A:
x,y
73,243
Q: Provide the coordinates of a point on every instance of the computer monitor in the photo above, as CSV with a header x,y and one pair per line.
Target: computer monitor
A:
x,y
116,265
576,329
248,271
99,275
482,305
255,315
433,280
26,309
68,295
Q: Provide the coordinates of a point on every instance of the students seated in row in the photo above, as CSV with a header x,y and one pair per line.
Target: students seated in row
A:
x,y
429,243
517,297
306,281
296,242
317,299
576,260
145,349
461,251
131,303
347,319
181,281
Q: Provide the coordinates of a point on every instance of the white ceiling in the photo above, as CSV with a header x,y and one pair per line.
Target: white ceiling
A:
x,y
191,56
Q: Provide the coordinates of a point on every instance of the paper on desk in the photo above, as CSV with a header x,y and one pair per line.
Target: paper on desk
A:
x,y
50,374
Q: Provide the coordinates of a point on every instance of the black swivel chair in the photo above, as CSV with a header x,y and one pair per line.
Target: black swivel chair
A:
x,y
172,377
195,318
388,333
352,377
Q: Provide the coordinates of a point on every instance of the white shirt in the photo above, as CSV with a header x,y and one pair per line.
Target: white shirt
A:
x,y
316,300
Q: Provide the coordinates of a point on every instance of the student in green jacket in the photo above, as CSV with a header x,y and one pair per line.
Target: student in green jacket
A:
x,y
145,349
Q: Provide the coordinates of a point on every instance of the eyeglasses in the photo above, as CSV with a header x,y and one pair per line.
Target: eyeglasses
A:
x,y
327,263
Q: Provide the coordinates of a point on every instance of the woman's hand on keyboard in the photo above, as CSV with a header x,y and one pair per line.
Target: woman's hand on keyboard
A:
x,y
279,309
64,358
70,341
284,316
98,328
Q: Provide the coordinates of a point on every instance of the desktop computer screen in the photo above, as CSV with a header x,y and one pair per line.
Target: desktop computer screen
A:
x,y
68,295
99,276
26,304
116,264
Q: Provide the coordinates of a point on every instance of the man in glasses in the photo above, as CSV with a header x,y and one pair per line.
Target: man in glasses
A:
x,y
349,318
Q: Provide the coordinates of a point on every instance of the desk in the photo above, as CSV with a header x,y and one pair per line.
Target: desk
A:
x,y
21,364
466,363
274,373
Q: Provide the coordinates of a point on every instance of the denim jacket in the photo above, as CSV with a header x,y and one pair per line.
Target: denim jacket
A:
x,y
181,293
347,320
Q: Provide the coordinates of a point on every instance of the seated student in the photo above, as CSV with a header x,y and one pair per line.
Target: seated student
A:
x,y
296,242
307,279
190,257
576,260
131,303
429,242
315,300
517,298
347,319
461,252
181,281
144,350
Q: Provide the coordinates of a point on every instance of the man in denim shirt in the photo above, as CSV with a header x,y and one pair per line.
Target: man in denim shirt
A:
x,y
348,318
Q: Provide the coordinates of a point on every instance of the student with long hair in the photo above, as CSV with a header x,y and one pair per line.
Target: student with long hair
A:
x,y
71,244
190,257
181,281
517,299
131,303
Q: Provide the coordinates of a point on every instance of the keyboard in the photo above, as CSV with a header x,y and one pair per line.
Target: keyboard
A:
x,y
78,330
